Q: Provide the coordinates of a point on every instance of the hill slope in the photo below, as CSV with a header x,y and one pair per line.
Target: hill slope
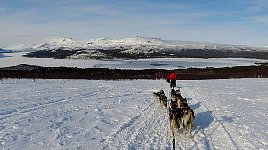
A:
x,y
140,47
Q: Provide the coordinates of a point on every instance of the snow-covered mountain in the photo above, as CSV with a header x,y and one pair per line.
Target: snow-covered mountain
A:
x,y
134,43
136,47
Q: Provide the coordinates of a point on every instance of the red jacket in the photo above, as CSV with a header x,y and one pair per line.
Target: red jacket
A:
x,y
168,76
173,76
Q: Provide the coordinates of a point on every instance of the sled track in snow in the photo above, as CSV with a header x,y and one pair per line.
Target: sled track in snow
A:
x,y
64,116
203,135
57,127
38,105
147,130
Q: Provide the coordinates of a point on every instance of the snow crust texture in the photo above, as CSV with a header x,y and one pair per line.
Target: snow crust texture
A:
x,y
91,114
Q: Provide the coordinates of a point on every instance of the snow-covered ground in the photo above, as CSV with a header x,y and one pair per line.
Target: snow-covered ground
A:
x,y
92,114
13,59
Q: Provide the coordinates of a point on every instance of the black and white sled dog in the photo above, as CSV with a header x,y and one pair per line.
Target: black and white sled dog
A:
x,y
182,103
175,116
161,97
188,120
158,94
176,94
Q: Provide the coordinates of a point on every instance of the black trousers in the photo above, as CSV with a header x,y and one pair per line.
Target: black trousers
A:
x,y
172,83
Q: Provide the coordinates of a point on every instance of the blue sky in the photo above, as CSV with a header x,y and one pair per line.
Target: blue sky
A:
x,y
220,21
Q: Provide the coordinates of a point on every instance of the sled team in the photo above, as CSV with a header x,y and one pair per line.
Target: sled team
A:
x,y
180,114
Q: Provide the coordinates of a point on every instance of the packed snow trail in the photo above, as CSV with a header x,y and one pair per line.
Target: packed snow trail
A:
x,y
91,114
225,113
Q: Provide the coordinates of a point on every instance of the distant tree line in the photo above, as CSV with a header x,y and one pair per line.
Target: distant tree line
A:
x,y
62,53
38,72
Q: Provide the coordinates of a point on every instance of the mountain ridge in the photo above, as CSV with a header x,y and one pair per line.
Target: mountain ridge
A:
x,y
139,47
132,41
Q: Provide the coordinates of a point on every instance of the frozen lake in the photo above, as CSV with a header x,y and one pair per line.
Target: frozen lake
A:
x,y
12,59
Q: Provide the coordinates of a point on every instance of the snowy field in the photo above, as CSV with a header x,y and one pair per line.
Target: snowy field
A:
x,y
13,59
90,114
